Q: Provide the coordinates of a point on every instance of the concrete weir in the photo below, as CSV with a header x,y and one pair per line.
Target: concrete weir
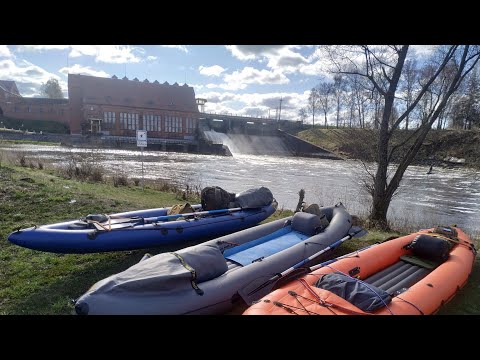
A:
x,y
279,144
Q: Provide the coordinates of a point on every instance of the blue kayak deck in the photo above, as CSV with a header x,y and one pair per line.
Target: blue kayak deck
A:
x,y
265,246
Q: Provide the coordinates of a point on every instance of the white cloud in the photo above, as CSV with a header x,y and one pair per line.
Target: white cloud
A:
x,y
179,47
255,104
151,58
115,54
285,59
227,86
424,50
41,47
83,70
5,51
29,77
250,75
250,52
81,50
214,70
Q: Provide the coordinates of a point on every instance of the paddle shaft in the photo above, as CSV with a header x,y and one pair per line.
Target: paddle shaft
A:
x,y
209,212
318,266
311,257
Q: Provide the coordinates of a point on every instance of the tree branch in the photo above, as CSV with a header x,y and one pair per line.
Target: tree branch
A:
x,y
425,87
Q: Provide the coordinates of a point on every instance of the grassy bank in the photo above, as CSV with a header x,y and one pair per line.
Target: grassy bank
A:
x,y
34,282
16,142
438,146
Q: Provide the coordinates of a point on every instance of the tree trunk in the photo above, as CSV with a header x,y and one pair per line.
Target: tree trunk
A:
x,y
380,200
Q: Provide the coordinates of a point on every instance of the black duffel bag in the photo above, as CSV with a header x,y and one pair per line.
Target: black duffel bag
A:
x,y
430,248
216,198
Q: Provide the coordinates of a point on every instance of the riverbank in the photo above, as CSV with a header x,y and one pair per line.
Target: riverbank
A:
x,y
34,282
446,148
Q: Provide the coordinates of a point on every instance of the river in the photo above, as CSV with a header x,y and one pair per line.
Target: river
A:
x,y
445,197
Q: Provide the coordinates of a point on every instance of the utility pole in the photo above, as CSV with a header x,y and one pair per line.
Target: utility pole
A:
x,y
280,111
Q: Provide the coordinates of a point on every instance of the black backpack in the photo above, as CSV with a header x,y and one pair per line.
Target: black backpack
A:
x,y
215,198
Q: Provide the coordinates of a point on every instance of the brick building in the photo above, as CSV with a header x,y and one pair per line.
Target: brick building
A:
x,y
13,105
111,106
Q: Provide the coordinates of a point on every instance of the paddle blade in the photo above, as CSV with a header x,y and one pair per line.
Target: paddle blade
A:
x,y
358,231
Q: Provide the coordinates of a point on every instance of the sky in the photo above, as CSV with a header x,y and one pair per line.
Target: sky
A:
x,y
237,79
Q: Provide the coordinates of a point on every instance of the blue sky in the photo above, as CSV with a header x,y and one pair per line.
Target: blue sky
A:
x,y
241,79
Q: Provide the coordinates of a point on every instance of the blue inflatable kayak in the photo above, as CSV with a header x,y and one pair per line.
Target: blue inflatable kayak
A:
x,y
138,229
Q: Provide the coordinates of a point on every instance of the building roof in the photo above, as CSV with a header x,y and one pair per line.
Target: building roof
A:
x,y
132,93
40,101
10,86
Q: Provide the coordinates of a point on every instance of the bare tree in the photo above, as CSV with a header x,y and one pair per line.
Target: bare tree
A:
x,y
359,95
338,89
325,93
383,67
377,101
302,114
410,78
313,104
445,114
467,106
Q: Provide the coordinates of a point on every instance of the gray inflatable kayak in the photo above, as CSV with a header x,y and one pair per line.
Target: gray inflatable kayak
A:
x,y
207,278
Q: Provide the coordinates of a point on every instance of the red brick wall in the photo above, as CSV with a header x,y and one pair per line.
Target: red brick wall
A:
x,y
90,97
22,108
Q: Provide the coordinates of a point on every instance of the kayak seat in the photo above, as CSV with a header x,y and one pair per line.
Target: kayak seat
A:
x,y
303,226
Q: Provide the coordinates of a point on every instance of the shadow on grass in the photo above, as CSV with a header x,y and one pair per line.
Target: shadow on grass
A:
x,y
56,297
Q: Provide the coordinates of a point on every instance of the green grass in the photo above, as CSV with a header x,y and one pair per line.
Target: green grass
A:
x,y
14,142
35,282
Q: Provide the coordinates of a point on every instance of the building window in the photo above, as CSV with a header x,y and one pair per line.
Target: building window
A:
x,y
173,124
190,124
128,121
152,122
108,120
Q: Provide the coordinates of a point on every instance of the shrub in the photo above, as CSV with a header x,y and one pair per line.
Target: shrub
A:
x,y
120,180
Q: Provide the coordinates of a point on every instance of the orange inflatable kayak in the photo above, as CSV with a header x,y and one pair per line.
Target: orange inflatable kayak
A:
x,y
411,275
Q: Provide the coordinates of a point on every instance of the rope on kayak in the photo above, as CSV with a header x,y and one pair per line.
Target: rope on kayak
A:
x,y
286,307
469,245
296,296
408,302
323,303
366,284
23,227
290,308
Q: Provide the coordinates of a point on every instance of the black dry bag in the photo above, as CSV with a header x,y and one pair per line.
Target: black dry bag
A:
x,y
215,198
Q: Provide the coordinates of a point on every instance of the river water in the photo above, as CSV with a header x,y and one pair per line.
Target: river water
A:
x,y
445,197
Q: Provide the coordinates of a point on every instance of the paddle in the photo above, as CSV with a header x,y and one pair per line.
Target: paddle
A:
x,y
266,286
136,221
175,216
